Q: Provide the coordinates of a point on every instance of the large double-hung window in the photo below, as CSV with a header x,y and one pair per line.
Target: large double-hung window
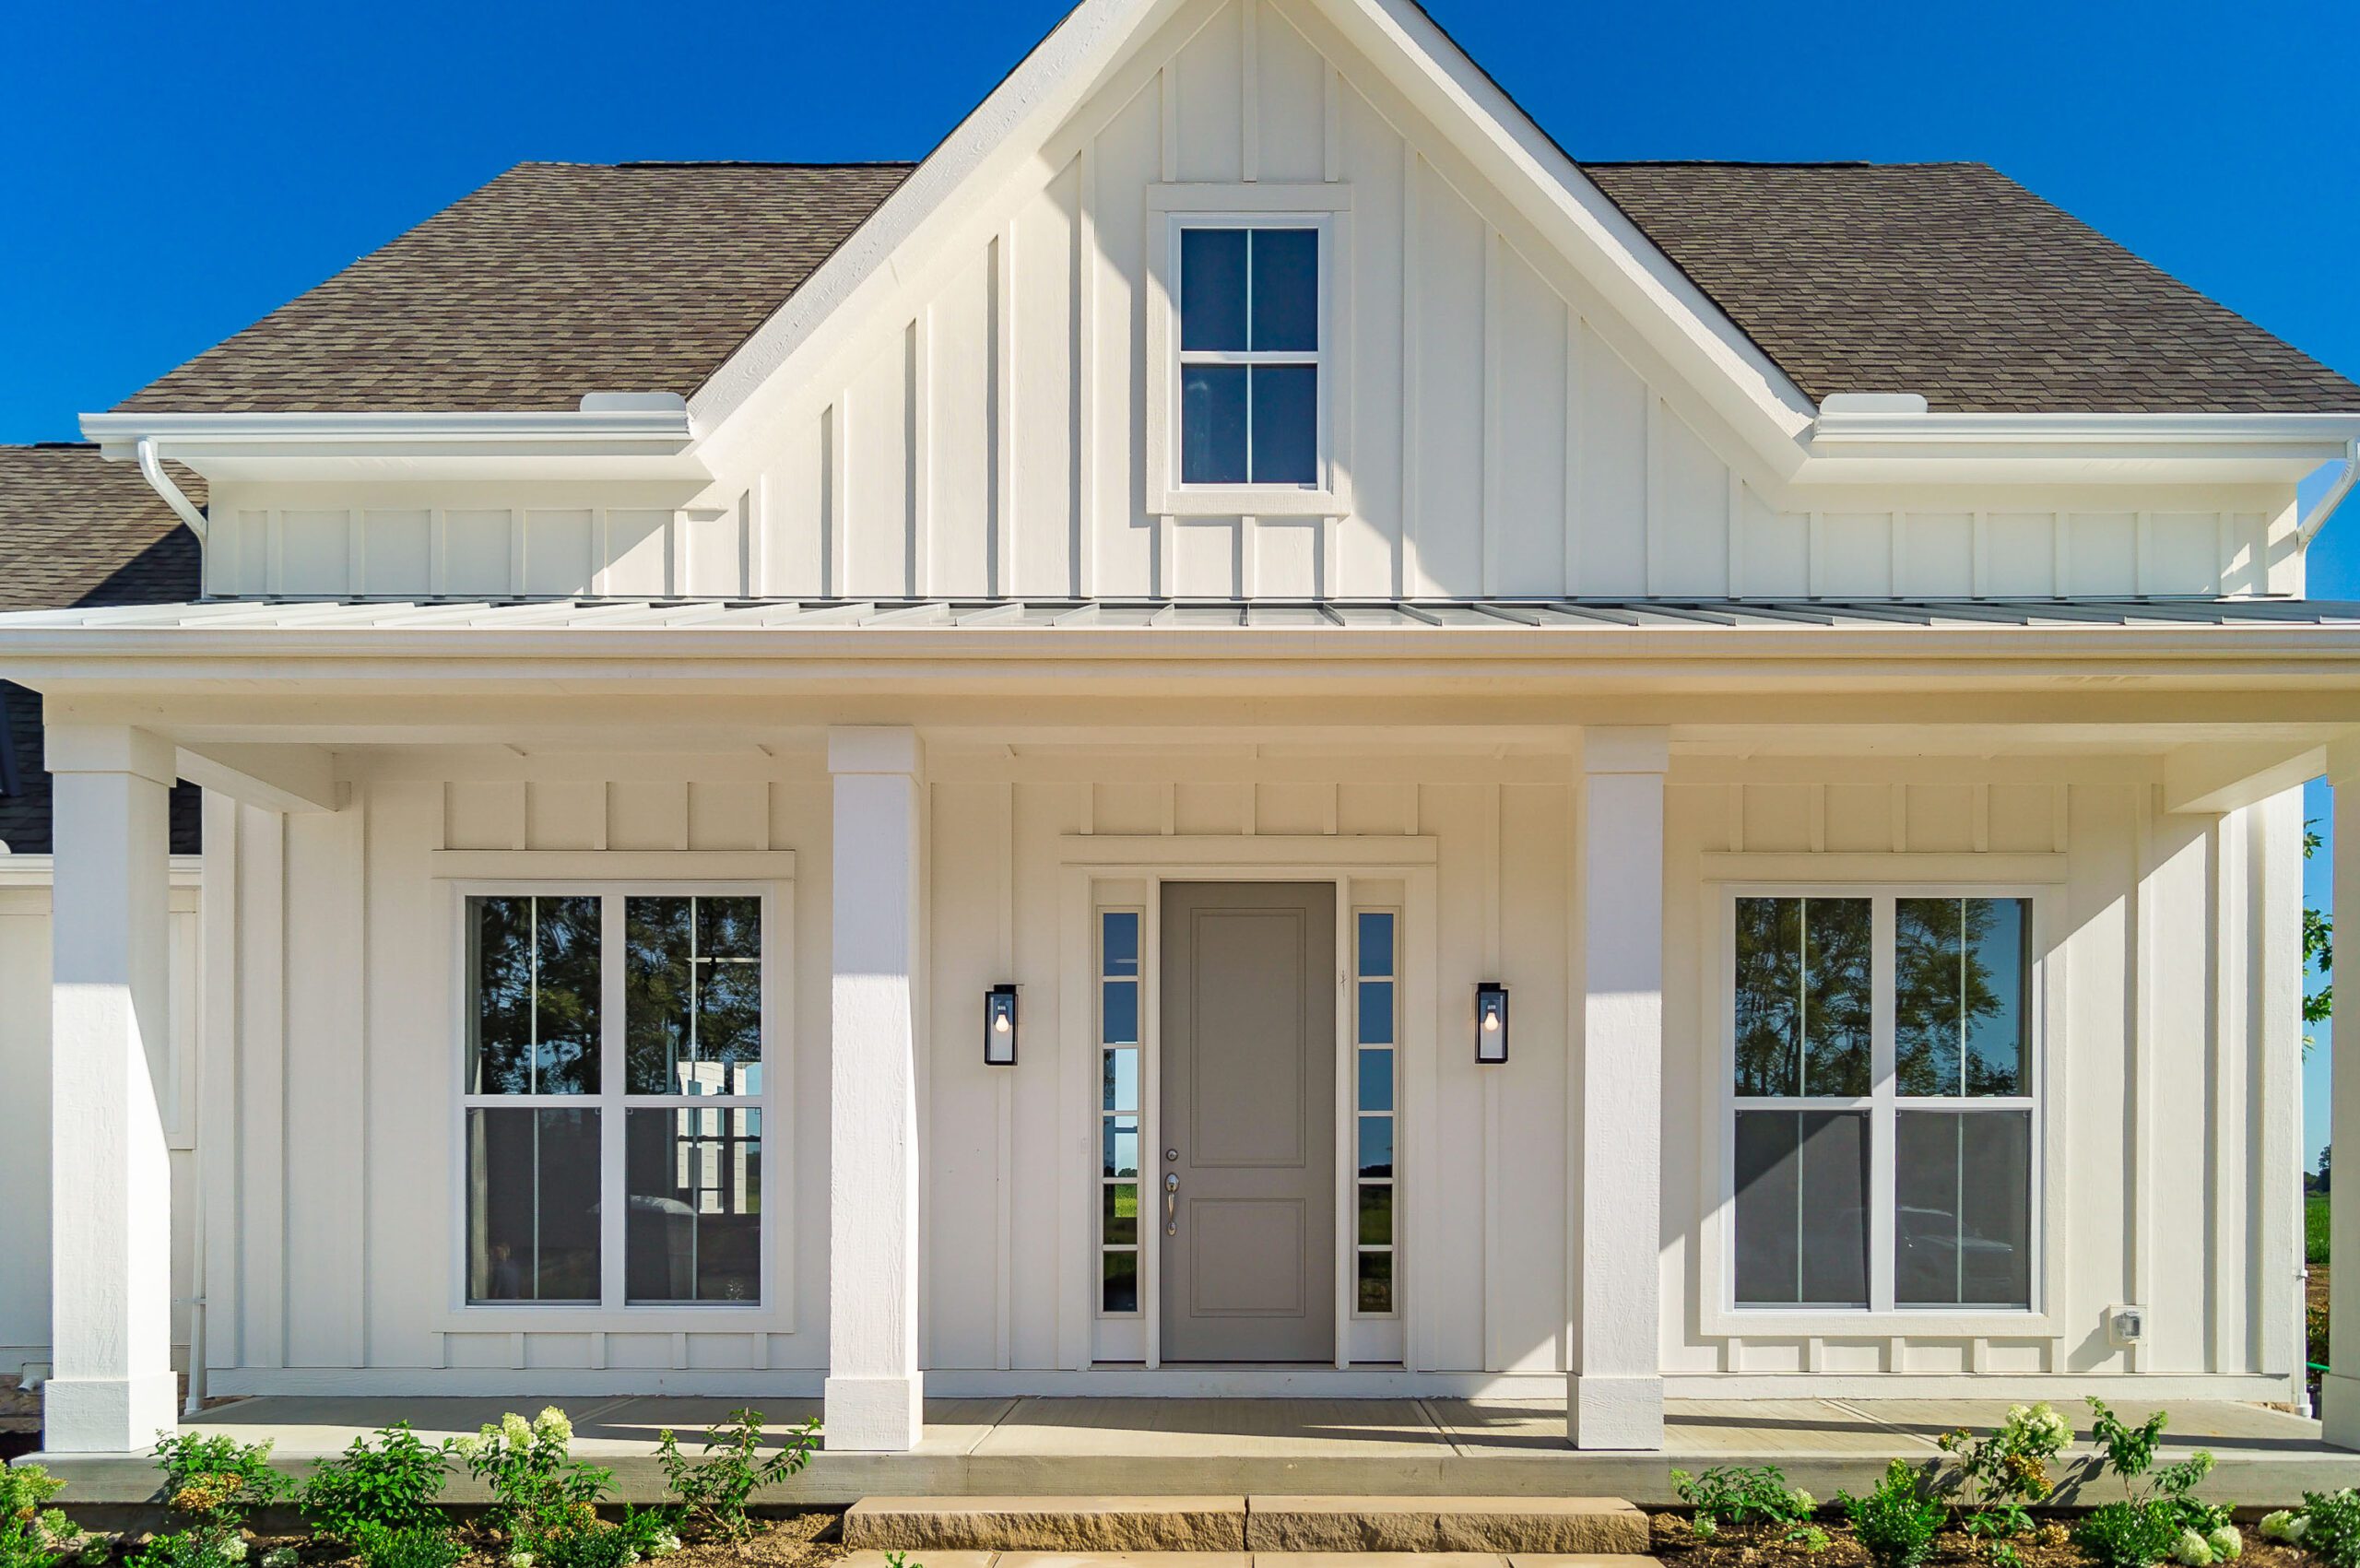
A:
x,y
1882,1149
613,1098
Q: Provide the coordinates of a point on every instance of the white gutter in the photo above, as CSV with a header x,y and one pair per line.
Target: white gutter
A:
x,y
1850,421
592,424
152,469
2334,498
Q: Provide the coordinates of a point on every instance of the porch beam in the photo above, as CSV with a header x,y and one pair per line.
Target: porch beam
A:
x,y
1614,1395
111,1389
2340,1391
288,779
874,1390
2213,779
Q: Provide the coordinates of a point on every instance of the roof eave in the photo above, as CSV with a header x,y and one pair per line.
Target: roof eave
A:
x,y
605,443
1863,446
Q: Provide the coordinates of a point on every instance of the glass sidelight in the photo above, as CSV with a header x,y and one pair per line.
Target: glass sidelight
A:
x,y
1119,1100
1376,1032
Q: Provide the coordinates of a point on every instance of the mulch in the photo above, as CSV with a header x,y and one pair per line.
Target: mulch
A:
x,y
1749,1546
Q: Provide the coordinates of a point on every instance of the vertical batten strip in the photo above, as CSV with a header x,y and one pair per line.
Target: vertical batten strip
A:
x,y
356,552
438,551
2139,1177
1980,554
1004,426
1086,439
1494,477
2060,539
1733,546
1331,127
1249,139
1167,96
1652,467
838,499
1409,573
753,526
921,453
1573,454
1493,1200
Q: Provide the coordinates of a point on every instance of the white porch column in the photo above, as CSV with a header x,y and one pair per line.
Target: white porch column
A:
x,y
1614,1398
2340,1391
874,1389
112,1388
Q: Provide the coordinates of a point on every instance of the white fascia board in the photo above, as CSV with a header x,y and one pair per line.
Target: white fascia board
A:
x,y
1863,447
967,170
653,442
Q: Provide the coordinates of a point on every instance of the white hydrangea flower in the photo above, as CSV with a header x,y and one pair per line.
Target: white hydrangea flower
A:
x,y
664,1545
2226,1544
2298,1530
282,1557
2192,1551
2273,1525
1805,1501
552,1423
516,1430
232,1551
520,1560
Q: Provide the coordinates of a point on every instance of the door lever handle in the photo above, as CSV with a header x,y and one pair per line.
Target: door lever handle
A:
x,y
1170,1203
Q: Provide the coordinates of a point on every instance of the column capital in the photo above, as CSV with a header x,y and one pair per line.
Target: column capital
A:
x,y
875,749
1637,749
71,747
2343,760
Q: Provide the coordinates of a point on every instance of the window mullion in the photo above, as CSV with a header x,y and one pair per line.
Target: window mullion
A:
x,y
1883,1125
613,1200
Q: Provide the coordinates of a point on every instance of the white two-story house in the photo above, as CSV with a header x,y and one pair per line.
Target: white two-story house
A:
x,y
1247,735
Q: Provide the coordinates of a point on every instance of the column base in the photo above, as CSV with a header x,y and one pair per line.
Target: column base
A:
x,y
2340,1410
873,1415
1615,1413
109,1415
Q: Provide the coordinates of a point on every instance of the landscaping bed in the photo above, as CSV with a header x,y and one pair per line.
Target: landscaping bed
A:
x,y
2050,1545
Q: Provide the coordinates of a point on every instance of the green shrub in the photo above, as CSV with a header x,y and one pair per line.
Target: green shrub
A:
x,y
651,1532
31,1535
571,1537
716,1489
1895,1522
392,1484
217,1482
405,1545
2126,1535
1999,1475
2315,1231
2329,1525
536,1486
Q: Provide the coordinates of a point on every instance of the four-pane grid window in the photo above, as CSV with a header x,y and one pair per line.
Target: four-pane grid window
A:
x,y
1249,355
1118,1099
589,1126
1831,1099
1375,1031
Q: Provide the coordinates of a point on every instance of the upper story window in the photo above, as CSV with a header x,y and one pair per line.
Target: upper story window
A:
x,y
1247,311
1250,354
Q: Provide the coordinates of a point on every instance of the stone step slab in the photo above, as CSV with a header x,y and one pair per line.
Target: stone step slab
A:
x,y
1490,1528
1497,1525
1092,1525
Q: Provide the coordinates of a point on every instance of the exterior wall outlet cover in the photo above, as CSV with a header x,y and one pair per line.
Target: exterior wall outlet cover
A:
x,y
2127,1325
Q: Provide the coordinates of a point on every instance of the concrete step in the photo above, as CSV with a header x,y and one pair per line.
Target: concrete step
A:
x,y
1488,1527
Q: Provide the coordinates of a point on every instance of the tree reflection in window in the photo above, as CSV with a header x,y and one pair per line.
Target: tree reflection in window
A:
x,y
1959,1003
1804,997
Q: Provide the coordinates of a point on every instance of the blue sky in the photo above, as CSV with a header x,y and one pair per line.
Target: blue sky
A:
x,y
178,169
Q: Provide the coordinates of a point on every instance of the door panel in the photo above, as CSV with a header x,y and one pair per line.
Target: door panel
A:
x,y
1248,1122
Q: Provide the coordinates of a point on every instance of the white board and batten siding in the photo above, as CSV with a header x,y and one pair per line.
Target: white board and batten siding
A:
x,y
2163,953
25,1176
1497,429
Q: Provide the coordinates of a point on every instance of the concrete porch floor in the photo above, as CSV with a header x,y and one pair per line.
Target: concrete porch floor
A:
x,y
1128,1447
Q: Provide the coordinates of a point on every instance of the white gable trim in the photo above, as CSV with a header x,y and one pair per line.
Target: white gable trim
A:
x,y
956,184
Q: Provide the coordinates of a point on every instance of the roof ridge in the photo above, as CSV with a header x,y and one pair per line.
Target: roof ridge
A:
x,y
1781,163
758,163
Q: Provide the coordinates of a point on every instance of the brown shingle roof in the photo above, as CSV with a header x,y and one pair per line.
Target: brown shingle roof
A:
x,y
554,281
1951,280
77,530
1945,279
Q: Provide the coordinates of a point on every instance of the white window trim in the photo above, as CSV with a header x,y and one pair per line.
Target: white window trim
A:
x,y
1169,210
773,1314
1719,1313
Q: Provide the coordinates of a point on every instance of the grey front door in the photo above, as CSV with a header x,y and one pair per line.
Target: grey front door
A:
x,y
1249,1123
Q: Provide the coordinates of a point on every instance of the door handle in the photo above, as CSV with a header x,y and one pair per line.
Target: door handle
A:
x,y
1170,1203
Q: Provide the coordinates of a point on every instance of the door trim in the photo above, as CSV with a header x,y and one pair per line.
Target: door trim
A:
x,y
1112,872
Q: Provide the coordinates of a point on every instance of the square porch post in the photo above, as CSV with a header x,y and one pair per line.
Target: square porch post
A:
x,y
874,1389
1614,1398
2340,1390
112,1387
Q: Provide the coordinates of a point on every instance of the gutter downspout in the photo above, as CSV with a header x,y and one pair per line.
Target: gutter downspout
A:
x,y
2334,497
152,469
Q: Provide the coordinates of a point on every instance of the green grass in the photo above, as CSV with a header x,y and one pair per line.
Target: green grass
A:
x,y
2315,1229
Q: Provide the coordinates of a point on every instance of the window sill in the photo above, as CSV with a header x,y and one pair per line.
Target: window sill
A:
x,y
524,1317
1823,1323
1249,501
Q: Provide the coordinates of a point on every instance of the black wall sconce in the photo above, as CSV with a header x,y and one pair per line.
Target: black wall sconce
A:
x,y
1490,1024
999,1027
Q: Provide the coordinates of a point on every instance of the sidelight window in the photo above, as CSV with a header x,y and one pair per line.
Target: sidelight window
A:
x,y
1376,1015
1119,1110
1881,1152
613,1098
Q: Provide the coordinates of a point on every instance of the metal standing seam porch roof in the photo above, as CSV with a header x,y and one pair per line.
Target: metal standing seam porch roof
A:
x,y
984,615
